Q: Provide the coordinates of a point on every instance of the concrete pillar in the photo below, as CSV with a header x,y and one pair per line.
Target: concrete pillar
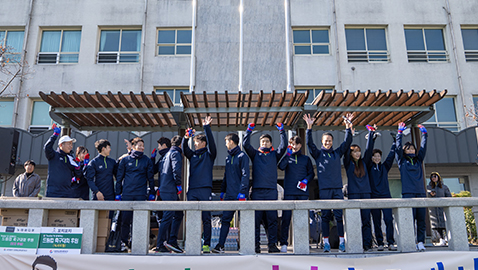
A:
x,y
37,218
456,229
300,221
89,223
140,232
247,233
193,232
353,231
406,229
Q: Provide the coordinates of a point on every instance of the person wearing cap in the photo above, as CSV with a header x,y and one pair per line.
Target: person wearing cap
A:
x,y
436,189
62,167
27,184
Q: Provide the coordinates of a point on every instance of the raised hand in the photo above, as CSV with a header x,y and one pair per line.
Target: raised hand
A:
x,y
401,127
422,129
309,120
153,153
207,121
280,126
348,120
56,130
250,127
189,133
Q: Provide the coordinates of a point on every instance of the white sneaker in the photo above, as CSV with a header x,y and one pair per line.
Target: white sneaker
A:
x,y
420,247
442,242
283,249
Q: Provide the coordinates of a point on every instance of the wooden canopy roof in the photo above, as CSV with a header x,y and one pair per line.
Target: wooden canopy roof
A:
x,y
233,111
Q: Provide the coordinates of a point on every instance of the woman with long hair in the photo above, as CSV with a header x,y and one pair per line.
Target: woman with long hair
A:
x,y
436,189
359,187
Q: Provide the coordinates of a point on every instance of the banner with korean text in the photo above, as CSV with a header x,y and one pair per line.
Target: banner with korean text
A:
x,y
435,260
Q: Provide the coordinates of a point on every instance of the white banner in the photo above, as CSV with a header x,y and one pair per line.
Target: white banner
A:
x,y
439,260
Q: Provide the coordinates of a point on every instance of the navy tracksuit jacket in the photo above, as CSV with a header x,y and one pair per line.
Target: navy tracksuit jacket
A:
x,y
99,174
61,168
235,181
133,177
264,182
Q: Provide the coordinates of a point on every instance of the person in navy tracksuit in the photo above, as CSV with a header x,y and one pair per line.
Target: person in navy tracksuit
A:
x,y
411,173
378,176
235,184
298,172
100,171
135,174
164,144
358,187
170,187
82,190
62,168
200,172
329,175
264,179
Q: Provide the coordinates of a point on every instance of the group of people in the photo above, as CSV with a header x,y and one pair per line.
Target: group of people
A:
x,y
73,177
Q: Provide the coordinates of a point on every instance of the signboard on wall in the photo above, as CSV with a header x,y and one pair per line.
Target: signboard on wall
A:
x,y
59,240
19,240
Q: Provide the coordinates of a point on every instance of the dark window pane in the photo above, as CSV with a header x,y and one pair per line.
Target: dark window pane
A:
x,y
376,40
417,57
470,39
170,93
177,98
357,56
320,49
109,41
445,109
374,56
183,50
47,58
301,36
436,56
434,38
184,36
320,36
166,50
107,58
302,49
130,41
414,39
475,102
355,39
166,36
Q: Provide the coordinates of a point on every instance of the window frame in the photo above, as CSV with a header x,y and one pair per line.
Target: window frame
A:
x,y
311,44
368,52
59,53
176,44
38,128
315,91
426,51
176,90
118,53
4,41
12,100
442,124
470,55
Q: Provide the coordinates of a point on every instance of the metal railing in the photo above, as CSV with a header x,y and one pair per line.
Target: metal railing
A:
x,y
402,209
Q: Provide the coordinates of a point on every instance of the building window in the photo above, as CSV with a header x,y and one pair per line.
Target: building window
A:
x,y
174,42
445,115
366,45
6,111
59,47
41,120
470,44
119,46
425,45
174,93
313,92
311,41
12,41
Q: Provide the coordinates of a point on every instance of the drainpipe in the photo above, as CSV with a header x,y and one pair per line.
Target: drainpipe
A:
x,y
287,45
24,52
192,70
143,45
455,56
337,58
241,42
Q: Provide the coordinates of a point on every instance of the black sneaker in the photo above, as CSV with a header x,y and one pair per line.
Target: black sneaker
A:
x,y
218,249
173,247
161,249
367,249
258,249
273,249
